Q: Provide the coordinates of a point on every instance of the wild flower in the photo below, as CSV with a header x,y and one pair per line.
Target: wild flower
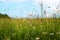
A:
x,y
41,27
37,38
51,33
45,32
28,21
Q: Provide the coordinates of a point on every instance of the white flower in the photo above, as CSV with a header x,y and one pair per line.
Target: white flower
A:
x,y
45,33
37,38
51,33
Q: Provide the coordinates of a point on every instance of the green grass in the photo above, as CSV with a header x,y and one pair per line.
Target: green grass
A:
x,y
30,29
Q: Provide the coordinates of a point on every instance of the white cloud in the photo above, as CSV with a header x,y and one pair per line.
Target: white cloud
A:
x,y
14,0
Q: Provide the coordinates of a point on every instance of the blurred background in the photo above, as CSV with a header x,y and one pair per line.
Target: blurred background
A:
x,y
25,8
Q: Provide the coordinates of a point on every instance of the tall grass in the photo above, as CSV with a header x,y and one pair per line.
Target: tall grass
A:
x,y
30,29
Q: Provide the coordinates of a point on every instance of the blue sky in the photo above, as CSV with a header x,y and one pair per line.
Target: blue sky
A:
x,y
21,8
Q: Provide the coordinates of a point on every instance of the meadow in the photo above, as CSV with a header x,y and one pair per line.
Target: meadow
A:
x,y
30,29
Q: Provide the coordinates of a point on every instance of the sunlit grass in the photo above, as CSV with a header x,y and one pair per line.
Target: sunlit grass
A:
x,y
30,29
